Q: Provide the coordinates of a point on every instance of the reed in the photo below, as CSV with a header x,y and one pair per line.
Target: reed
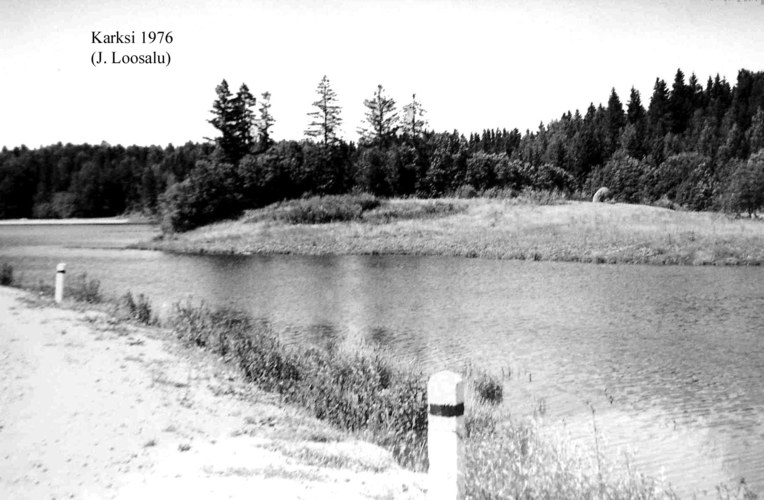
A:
x,y
6,274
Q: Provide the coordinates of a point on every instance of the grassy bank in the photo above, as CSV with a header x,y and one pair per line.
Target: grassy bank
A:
x,y
525,228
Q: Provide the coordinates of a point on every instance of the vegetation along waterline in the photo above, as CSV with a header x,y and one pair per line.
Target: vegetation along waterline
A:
x,y
364,392
526,226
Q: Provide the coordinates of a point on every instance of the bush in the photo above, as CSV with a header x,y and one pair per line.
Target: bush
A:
x,y
138,310
488,389
82,289
6,274
326,209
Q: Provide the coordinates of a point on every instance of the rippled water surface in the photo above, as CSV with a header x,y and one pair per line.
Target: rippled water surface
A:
x,y
670,358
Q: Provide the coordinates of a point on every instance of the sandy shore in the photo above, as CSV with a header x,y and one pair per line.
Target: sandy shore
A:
x,y
93,408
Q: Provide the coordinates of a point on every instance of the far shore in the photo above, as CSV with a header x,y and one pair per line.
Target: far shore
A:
x,y
74,221
565,231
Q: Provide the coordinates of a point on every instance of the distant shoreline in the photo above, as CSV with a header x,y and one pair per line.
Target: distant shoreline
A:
x,y
106,221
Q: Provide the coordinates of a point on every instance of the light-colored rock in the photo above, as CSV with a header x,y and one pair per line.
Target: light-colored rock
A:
x,y
601,195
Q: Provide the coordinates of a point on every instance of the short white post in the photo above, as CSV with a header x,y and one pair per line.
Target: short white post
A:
x,y
445,433
60,271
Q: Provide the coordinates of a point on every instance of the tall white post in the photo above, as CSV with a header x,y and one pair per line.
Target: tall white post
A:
x,y
445,434
60,271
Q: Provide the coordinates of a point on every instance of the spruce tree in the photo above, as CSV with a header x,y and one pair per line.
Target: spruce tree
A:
x,y
244,121
381,119
615,120
224,120
264,122
326,120
413,121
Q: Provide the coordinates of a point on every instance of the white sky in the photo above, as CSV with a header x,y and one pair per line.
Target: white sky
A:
x,y
473,64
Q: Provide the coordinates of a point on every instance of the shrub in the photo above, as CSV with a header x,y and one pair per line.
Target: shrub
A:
x,y
138,310
488,389
81,289
326,209
6,274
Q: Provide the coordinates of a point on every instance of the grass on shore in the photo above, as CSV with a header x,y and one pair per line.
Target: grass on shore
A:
x,y
517,228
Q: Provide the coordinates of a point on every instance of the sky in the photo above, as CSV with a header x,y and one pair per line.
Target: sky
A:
x,y
472,64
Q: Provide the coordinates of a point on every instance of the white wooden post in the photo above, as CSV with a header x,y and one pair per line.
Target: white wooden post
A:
x,y
60,271
445,433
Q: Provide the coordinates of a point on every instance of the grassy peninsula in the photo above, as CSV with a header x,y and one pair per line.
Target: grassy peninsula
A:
x,y
526,227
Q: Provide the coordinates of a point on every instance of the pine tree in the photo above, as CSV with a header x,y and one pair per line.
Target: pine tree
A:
x,y
326,120
413,122
264,122
381,119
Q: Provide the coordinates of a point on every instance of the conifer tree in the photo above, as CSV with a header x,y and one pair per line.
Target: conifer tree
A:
x,y
244,121
264,122
326,120
224,120
615,120
756,132
381,119
413,118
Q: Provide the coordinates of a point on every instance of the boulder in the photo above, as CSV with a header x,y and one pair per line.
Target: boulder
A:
x,y
601,195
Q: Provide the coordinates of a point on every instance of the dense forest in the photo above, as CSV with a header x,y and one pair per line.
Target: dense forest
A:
x,y
693,146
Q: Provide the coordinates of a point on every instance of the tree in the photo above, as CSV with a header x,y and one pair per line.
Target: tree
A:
x,y
264,122
244,122
381,119
326,120
233,118
615,120
223,120
680,103
756,132
746,188
413,121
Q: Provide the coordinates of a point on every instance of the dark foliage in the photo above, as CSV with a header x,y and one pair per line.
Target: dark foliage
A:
x,y
6,274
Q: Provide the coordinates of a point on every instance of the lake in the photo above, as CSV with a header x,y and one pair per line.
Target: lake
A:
x,y
670,358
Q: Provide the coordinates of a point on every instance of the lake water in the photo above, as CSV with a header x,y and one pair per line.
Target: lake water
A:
x,y
671,358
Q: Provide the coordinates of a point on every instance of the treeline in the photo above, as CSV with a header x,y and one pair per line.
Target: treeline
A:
x,y
695,146
61,181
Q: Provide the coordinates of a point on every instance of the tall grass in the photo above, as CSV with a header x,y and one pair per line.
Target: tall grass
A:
x,y
6,274
137,309
357,391
82,289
